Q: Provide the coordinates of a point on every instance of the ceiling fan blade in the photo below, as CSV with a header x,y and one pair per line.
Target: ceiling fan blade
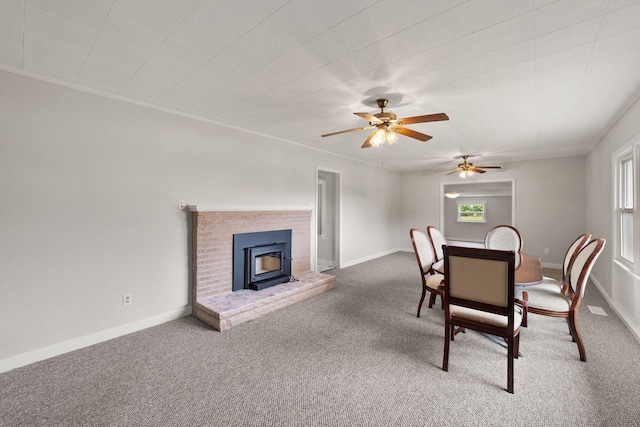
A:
x,y
422,119
369,117
411,133
368,143
475,169
444,170
489,167
346,131
453,171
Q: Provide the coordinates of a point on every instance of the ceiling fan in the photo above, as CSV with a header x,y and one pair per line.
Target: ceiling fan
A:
x,y
467,169
387,125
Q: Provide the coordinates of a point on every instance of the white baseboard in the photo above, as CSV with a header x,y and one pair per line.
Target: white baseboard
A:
x,y
620,313
370,257
87,340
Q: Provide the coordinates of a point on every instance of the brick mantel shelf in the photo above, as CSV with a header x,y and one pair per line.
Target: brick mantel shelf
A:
x,y
213,228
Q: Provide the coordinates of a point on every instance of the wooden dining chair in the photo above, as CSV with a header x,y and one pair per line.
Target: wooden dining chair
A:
x,y
479,295
551,301
431,281
504,238
437,241
569,259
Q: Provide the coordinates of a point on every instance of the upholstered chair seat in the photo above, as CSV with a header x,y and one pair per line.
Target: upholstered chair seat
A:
x,y
550,283
487,318
546,296
434,281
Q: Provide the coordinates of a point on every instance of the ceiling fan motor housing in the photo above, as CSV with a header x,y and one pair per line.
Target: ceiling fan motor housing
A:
x,y
386,117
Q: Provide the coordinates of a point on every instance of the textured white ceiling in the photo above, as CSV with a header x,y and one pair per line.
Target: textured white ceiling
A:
x,y
519,79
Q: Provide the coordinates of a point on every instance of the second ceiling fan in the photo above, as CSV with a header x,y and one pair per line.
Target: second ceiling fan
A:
x,y
467,169
387,125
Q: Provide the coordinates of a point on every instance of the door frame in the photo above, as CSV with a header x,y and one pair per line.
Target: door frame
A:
x,y
513,196
338,216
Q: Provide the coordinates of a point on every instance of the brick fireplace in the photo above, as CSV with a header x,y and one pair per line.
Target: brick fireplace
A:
x,y
214,301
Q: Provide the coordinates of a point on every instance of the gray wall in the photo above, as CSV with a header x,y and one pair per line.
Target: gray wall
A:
x,y
620,284
498,212
550,198
90,190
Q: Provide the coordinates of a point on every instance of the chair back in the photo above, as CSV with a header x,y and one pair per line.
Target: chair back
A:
x,y
572,252
581,269
481,279
504,238
422,249
437,240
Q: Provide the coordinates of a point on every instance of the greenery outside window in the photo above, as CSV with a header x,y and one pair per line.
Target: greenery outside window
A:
x,y
471,212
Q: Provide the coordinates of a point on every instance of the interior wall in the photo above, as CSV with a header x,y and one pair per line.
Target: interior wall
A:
x,y
550,196
90,212
497,209
620,285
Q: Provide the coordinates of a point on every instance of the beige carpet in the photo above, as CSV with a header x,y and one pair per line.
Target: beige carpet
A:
x,y
353,356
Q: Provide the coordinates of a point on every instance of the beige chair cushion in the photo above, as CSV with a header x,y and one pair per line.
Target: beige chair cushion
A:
x,y
434,281
486,318
551,283
546,296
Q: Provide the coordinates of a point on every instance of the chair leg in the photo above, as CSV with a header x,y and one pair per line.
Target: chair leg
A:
x,y
424,293
575,333
516,346
525,309
511,348
432,300
445,357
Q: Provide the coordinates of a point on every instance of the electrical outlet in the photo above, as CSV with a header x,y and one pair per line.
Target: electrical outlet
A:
x,y
182,204
546,251
126,299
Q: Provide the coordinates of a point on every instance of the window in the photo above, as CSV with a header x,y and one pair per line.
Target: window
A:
x,y
626,206
471,212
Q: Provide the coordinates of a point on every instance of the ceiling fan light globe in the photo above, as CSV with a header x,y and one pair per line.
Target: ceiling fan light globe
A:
x,y
378,138
391,137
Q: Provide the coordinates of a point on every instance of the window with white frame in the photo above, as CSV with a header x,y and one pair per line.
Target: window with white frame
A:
x,y
626,206
472,211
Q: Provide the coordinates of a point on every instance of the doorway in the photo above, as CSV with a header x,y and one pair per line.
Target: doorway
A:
x,y
497,199
328,219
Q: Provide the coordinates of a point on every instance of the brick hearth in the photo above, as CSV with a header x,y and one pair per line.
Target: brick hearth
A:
x,y
214,302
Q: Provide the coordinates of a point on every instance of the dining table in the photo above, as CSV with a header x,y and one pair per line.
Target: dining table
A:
x,y
528,269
